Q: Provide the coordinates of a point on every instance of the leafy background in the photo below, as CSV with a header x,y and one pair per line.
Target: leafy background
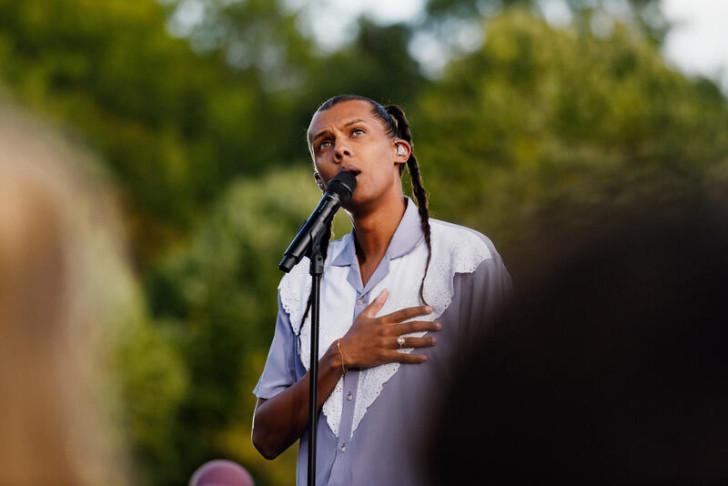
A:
x,y
200,126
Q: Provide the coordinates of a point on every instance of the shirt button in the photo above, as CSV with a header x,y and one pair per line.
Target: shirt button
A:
x,y
342,447
349,396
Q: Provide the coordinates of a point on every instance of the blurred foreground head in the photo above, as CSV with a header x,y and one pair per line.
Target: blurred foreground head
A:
x,y
52,222
221,472
610,367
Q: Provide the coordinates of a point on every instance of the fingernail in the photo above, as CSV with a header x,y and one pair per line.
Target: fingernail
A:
x,y
433,340
428,309
438,326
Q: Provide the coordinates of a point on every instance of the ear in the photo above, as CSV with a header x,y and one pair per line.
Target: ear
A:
x,y
402,151
319,181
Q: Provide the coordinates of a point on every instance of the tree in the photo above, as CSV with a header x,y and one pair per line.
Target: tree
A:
x,y
542,117
174,125
377,63
645,15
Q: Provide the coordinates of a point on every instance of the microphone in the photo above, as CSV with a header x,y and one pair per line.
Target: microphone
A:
x,y
338,191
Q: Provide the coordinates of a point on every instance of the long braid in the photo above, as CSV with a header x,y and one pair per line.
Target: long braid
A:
x,y
403,131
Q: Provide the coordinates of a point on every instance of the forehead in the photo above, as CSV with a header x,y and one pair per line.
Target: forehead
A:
x,y
340,114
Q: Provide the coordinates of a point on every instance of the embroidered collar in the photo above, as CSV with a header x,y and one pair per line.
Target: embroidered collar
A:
x,y
406,237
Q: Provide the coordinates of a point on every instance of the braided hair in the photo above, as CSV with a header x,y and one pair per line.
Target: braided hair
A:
x,y
396,126
402,130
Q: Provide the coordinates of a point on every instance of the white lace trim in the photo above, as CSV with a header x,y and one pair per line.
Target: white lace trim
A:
x,y
454,250
294,290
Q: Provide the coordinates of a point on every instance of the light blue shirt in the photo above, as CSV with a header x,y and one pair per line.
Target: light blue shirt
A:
x,y
386,446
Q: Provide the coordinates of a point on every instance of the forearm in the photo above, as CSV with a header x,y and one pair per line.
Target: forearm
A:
x,y
280,421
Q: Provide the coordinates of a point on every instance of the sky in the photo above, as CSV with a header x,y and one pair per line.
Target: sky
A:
x,y
698,43
699,40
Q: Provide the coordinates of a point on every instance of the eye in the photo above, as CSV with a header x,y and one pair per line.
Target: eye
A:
x,y
357,132
324,144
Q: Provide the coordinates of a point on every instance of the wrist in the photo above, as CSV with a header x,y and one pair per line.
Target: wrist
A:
x,y
334,359
341,355
338,358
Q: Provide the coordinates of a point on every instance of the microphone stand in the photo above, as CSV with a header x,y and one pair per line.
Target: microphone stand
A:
x,y
316,270
339,190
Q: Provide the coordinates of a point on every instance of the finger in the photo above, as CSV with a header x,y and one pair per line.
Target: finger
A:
x,y
398,357
414,342
415,326
407,313
377,304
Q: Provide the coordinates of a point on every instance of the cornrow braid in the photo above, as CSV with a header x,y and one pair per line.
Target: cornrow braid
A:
x,y
402,130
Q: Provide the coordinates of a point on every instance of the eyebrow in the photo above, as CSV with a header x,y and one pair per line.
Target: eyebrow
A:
x,y
347,124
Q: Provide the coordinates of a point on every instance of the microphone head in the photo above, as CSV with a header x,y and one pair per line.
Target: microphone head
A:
x,y
343,185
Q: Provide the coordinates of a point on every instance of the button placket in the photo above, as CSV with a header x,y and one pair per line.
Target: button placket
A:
x,y
351,380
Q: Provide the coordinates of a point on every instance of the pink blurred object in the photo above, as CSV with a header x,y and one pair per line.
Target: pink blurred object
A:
x,y
221,473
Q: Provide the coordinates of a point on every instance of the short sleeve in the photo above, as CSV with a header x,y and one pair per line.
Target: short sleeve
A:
x,y
482,294
493,282
281,369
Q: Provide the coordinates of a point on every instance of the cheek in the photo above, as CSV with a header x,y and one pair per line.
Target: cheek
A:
x,y
325,168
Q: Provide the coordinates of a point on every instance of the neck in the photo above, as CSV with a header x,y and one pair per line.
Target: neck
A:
x,y
374,228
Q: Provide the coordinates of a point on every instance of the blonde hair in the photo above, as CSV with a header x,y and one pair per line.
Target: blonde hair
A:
x,y
53,217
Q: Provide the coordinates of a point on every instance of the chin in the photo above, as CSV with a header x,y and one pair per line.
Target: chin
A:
x,y
356,202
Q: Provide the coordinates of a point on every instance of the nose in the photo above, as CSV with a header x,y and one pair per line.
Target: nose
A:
x,y
341,150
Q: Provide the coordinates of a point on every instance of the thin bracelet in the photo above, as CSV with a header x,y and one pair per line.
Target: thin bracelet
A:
x,y
338,346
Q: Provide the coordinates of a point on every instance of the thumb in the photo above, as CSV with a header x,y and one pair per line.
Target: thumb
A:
x,y
377,304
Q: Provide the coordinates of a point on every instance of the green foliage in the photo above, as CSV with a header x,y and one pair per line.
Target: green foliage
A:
x,y
218,295
204,133
176,118
376,64
153,382
174,126
89,63
551,117
644,17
